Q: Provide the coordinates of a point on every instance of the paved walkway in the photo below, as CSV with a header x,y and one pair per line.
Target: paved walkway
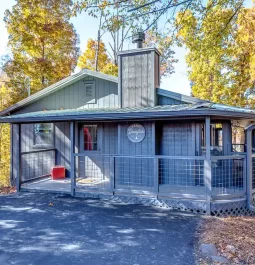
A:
x,y
92,232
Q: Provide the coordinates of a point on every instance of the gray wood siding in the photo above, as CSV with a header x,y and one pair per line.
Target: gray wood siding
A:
x,y
15,165
134,173
177,140
157,70
33,165
143,148
73,97
137,77
63,145
110,138
27,137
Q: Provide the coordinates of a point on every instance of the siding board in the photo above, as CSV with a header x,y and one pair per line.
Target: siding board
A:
x,y
73,96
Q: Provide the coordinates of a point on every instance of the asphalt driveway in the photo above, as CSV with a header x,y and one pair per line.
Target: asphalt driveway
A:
x,y
90,231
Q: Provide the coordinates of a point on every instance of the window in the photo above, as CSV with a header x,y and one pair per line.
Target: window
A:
x,y
238,139
89,92
216,139
43,134
90,138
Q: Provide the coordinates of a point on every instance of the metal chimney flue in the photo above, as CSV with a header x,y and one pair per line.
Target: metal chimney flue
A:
x,y
139,39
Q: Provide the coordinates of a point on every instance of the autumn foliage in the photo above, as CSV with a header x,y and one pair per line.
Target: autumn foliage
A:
x,y
43,45
4,136
89,60
220,53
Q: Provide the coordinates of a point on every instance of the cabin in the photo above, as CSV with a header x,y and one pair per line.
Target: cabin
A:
x,y
127,139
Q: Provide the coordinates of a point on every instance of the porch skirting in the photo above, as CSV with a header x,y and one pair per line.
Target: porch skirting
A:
x,y
220,208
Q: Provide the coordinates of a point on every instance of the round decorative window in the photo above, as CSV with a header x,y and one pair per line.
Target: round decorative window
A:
x,y
136,133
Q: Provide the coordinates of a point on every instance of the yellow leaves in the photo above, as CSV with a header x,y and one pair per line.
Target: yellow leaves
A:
x,y
88,59
103,4
43,44
221,54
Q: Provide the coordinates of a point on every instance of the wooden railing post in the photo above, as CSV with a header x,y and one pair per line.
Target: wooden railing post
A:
x,y
156,175
249,166
208,165
72,159
112,173
18,158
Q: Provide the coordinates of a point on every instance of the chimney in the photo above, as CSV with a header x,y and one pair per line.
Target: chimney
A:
x,y
139,75
139,39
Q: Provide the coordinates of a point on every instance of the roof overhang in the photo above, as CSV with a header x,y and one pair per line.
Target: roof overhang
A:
x,y
125,114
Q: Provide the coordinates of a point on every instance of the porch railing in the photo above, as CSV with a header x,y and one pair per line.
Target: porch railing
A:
x,y
36,164
160,175
228,175
253,173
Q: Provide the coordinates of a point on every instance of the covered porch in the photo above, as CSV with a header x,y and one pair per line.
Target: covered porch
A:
x,y
186,164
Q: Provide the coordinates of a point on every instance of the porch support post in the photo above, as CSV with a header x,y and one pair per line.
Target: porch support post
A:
x,y
208,165
18,158
249,166
73,178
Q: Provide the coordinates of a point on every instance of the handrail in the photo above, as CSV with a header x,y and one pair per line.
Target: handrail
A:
x,y
139,156
228,157
38,151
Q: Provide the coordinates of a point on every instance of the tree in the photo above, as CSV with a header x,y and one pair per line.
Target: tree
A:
x,y
88,58
220,54
43,44
116,19
4,134
164,44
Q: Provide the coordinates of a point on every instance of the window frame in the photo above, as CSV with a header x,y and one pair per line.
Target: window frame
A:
x,y
92,99
52,138
99,139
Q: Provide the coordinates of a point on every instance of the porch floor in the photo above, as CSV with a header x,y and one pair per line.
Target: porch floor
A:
x,y
64,186
61,185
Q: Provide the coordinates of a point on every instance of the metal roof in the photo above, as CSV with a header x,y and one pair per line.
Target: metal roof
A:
x,y
183,110
178,96
55,87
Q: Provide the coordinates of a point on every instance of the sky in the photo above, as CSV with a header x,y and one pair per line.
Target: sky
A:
x,y
86,27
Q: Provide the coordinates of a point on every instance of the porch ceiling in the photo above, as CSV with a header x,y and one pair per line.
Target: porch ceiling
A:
x,y
157,112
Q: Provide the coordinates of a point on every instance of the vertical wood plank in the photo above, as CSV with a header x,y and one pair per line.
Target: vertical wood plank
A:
x,y
156,174
11,157
18,157
151,88
112,173
72,144
120,82
207,164
249,166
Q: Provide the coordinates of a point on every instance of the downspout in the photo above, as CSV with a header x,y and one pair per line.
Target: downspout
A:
x,y
249,130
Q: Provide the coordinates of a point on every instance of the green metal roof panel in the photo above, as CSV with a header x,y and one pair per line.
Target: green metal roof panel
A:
x,y
182,110
71,112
